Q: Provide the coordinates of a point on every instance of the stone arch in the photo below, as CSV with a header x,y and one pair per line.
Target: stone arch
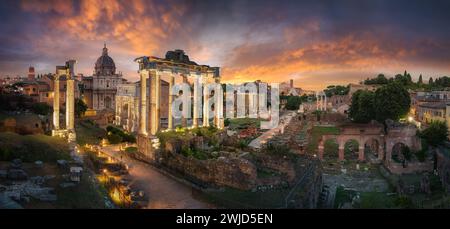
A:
x,y
375,146
351,148
400,152
391,143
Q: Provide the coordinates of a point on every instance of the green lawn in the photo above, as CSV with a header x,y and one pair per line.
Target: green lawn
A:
x,y
343,196
243,123
85,195
376,200
368,200
32,147
316,135
234,198
88,133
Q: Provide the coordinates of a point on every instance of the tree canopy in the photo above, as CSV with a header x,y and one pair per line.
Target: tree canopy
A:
x,y
435,134
336,90
380,79
391,101
293,102
362,109
80,107
405,79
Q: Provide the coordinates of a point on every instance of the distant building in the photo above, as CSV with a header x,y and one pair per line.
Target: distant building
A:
x,y
427,107
127,105
99,90
31,73
287,88
364,87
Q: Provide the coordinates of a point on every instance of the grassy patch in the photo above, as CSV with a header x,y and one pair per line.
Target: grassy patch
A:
x,y
343,196
244,123
376,200
32,147
89,133
234,198
316,134
85,195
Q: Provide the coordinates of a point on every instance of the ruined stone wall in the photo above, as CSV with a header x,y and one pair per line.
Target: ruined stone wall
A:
x,y
443,168
397,168
282,165
306,194
232,172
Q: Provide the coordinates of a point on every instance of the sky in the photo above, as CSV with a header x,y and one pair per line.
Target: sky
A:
x,y
316,43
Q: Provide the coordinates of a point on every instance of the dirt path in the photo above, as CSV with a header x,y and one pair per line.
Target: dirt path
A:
x,y
164,192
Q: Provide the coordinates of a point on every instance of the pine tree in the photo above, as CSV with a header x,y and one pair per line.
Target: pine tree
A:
x,y
430,81
420,79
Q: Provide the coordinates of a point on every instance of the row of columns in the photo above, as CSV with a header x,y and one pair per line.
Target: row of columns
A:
x,y
130,120
68,71
321,101
153,122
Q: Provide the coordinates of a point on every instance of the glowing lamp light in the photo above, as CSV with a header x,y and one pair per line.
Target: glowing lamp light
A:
x,y
410,119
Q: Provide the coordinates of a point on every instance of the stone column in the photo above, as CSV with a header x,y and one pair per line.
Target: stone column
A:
x,y
320,151
56,103
361,153
70,104
118,111
170,118
129,106
206,104
183,119
70,101
218,107
197,91
341,153
155,90
380,151
143,103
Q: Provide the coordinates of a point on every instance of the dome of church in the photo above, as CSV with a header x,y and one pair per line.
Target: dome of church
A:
x,y
105,64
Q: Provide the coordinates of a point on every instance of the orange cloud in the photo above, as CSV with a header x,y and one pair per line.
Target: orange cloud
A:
x,y
140,25
319,64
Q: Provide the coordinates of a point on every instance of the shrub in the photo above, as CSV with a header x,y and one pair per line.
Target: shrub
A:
x,y
226,122
421,155
114,139
404,202
41,108
435,134
242,144
125,136
131,149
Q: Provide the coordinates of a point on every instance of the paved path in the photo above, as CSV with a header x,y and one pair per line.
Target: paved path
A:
x,y
163,191
284,121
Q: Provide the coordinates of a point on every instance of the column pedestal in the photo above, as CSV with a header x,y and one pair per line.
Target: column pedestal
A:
x,y
148,146
361,154
341,154
320,152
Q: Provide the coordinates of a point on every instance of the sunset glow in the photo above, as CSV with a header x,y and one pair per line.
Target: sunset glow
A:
x,y
315,44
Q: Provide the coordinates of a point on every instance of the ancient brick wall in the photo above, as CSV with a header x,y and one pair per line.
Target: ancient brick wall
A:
x,y
232,172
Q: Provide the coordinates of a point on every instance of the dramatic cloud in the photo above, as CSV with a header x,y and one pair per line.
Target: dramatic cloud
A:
x,y
317,43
